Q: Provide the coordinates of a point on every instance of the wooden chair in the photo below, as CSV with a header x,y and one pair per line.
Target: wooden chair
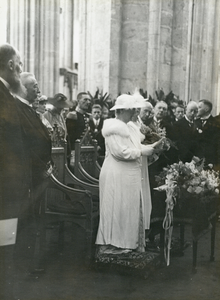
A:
x,y
68,199
86,165
62,204
65,176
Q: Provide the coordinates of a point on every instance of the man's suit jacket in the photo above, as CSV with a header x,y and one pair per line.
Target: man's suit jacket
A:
x,y
14,160
207,140
97,134
167,157
37,141
76,124
217,123
185,133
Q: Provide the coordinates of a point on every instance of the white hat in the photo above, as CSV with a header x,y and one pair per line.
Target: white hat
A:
x,y
125,101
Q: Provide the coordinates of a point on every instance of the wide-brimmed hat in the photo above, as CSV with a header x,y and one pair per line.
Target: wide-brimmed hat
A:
x,y
60,101
126,101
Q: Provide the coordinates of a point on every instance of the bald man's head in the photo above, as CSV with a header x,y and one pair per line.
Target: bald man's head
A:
x,y
146,111
191,110
29,81
10,64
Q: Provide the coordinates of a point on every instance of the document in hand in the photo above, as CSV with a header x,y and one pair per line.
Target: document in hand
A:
x,y
8,231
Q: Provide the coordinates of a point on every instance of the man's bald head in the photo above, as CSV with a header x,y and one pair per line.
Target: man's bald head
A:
x,y
10,64
191,110
146,111
29,81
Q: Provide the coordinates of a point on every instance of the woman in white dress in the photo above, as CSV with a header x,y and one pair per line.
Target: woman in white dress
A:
x,y
122,225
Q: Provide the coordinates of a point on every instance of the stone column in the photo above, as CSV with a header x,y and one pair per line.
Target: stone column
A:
x,y
95,33
33,28
169,44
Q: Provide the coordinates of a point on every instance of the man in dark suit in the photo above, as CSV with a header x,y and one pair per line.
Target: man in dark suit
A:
x,y
160,120
217,123
160,124
23,158
16,205
185,131
77,121
207,133
35,135
95,125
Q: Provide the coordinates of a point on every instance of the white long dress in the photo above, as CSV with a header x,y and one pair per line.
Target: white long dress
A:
x,y
146,195
121,188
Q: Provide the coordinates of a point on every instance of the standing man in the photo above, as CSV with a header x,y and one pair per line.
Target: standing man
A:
x,y
160,120
77,121
35,134
15,203
145,113
207,133
185,131
95,126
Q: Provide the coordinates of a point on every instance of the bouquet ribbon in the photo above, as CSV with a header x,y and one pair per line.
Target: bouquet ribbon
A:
x,y
168,223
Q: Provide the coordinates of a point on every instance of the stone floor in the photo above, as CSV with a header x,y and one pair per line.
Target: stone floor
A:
x,y
67,278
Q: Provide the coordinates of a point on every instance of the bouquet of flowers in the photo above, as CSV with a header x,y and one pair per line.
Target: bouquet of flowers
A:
x,y
191,177
154,135
188,178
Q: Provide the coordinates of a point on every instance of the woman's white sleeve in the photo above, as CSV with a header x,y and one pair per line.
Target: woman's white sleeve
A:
x,y
121,149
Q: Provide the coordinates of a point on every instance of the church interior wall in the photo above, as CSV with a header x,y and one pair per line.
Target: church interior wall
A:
x,y
123,44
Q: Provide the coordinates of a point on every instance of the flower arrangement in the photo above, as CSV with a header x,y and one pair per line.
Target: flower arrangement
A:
x,y
152,136
191,177
188,178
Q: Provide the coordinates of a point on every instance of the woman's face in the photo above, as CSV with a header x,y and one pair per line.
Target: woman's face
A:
x,y
105,113
127,114
41,107
136,114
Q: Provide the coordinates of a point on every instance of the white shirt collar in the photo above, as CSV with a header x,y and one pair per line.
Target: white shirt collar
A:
x,y
188,119
7,85
205,118
79,110
23,100
96,122
156,120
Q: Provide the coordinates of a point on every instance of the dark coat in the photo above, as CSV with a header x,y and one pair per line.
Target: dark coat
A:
x,y
76,124
207,140
185,134
37,141
97,135
217,123
15,172
167,157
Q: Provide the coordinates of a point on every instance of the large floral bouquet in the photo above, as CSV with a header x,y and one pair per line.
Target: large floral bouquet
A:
x,y
190,177
181,180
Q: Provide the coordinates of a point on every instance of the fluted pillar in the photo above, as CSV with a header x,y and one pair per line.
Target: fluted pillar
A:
x,y
33,28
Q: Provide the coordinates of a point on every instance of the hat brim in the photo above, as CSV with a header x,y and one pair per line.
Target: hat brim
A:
x,y
135,105
59,104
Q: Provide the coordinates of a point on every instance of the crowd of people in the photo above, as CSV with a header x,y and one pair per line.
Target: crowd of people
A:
x,y
135,145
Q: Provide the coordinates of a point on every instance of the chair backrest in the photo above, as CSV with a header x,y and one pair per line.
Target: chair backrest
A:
x,y
59,159
65,176
86,158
